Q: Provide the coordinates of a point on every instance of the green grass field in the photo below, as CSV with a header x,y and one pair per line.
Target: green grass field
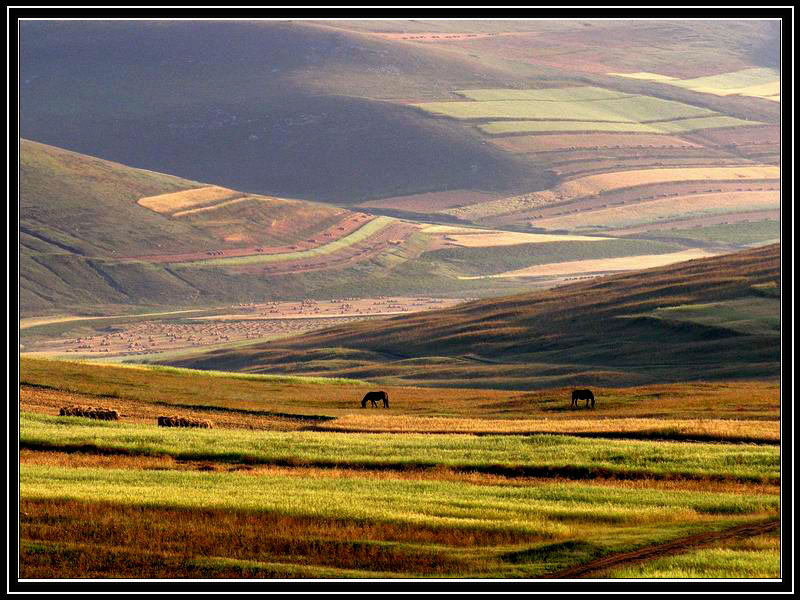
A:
x,y
130,499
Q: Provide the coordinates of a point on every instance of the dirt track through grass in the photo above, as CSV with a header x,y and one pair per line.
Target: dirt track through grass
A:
x,y
600,565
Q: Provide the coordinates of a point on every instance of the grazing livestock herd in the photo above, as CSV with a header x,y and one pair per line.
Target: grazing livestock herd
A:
x,y
109,414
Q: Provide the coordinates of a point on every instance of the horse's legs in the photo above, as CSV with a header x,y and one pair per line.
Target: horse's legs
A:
x,y
374,403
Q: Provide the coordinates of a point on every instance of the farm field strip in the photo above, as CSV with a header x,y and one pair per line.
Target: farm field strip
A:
x,y
661,127
528,455
757,82
590,141
603,265
186,199
567,94
480,238
675,208
739,228
339,230
628,109
696,429
628,196
365,231
551,511
604,183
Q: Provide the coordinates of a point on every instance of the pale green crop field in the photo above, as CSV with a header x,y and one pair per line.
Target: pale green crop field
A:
x,y
632,109
757,82
678,126
355,237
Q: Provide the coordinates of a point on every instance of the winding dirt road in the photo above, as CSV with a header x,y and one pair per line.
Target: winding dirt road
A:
x,y
678,546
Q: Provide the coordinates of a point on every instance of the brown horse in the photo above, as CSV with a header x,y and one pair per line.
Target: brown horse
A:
x,y
582,395
373,397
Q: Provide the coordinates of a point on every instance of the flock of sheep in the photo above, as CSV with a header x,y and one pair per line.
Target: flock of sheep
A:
x,y
109,414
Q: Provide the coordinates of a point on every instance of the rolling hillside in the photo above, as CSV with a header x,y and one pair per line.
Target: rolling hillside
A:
x,y
279,108
699,320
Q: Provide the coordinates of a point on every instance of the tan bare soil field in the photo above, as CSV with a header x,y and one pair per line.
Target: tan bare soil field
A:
x,y
668,209
509,238
432,201
178,201
603,265
240,324
593,141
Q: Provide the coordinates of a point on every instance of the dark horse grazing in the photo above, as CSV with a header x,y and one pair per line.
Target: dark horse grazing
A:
x,y
373,397
582,395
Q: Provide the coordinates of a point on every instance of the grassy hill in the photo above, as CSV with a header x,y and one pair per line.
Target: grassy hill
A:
x,y
281,108
617,330
97,236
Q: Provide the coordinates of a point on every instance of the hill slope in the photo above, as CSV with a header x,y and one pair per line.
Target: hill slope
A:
x,y
268,107
617,330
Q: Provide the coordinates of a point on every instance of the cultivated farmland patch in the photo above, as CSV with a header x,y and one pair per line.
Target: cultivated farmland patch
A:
x,y
662,127
600,184
630,109
668,209
187,199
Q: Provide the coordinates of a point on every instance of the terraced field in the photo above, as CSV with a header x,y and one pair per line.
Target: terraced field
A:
x,y
606,183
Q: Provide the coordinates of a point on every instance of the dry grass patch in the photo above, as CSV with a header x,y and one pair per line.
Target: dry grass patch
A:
x,y
177,201
510,238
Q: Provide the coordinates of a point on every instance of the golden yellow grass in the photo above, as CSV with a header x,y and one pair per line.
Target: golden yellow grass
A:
x,y
603,265
677,207
101,461
591,185
178,201
728,428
